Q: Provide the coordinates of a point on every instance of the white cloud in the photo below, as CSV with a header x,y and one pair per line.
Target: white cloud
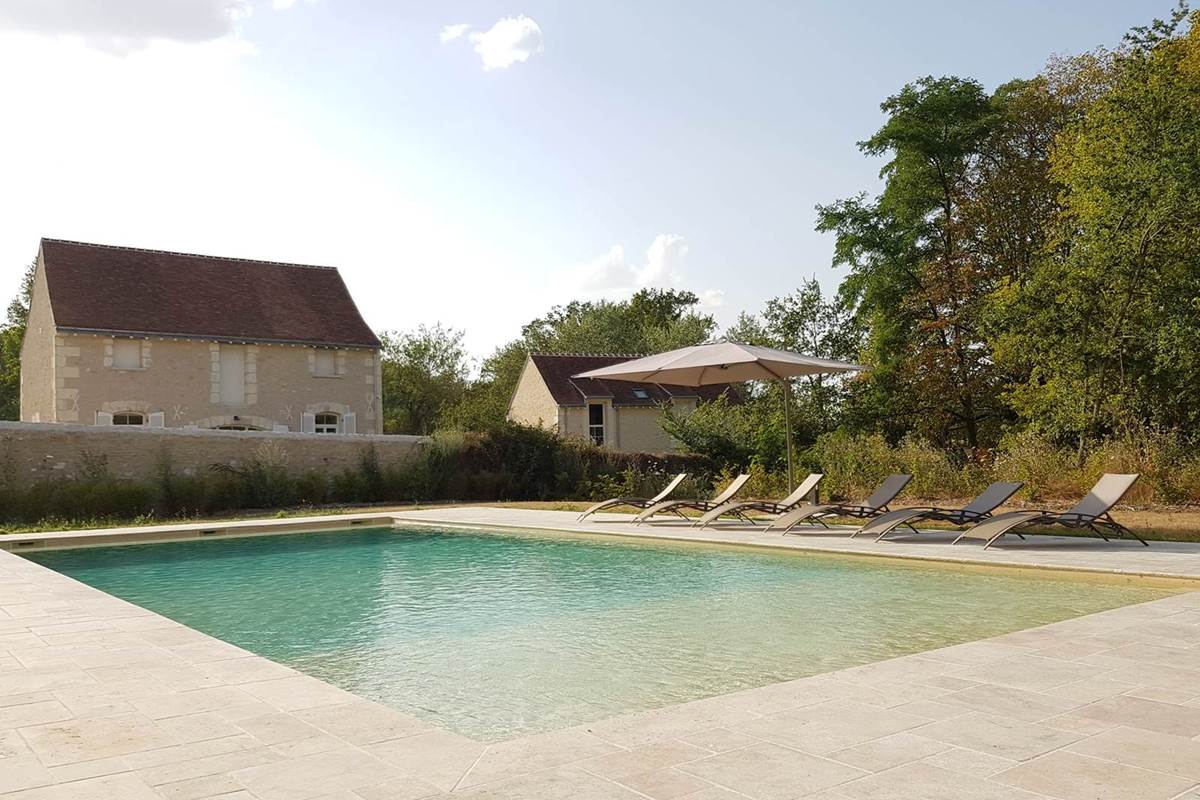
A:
x,y
607,272
613,276
665,258
124,26
452,32
284,5
121,27
509,41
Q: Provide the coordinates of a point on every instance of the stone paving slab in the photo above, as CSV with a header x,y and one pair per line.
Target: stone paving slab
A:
x,y
102,699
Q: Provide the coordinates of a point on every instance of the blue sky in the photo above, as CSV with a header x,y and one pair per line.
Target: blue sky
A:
x,y
608,146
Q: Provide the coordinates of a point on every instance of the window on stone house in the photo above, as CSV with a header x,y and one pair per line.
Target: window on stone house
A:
x,y
128,418
596,422
233,375
326,364
326,423
127,354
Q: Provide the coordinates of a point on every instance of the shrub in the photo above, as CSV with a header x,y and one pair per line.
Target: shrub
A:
x,y
1047,471
935,476
854,464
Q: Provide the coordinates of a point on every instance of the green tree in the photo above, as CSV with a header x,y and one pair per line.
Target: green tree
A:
x,y
963,210
12,332
804,321
1110,319
424,377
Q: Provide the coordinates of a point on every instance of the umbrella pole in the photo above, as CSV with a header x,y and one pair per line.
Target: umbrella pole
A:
x,y
787,424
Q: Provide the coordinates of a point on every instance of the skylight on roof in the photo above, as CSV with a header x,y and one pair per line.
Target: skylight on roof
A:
x,y
641,394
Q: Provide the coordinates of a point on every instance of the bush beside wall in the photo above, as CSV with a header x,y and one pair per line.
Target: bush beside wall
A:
x,y
509,463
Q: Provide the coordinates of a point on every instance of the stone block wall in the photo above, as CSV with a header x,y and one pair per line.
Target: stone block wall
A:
x,y
39,451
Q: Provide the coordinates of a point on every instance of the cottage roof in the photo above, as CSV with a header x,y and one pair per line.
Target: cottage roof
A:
x,y
556,370
111,289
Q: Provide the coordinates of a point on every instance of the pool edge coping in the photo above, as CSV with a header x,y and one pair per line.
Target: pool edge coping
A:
x,y
484,747
102,537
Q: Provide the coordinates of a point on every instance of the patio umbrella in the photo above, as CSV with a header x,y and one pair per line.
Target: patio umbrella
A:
x,y
725,362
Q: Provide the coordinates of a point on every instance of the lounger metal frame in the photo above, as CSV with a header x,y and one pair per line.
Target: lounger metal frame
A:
x,y
677,507
1096,523
1090,513
857,511
740,510
635,502
1000,492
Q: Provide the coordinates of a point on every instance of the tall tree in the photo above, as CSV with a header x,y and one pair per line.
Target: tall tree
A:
x,y
12,332
804,321
966,195
424,377
1110,320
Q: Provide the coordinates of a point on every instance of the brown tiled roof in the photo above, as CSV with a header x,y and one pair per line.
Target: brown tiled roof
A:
x,y
129,290
557,368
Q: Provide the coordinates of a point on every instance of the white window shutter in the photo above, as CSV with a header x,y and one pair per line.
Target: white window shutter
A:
x,y
308,422
348,423
157,419
103,418
278,428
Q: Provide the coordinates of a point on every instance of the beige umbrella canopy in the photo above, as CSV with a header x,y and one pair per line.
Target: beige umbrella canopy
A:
x,y
725,362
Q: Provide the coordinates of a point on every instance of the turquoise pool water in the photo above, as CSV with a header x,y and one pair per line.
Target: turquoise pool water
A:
x,y
495,635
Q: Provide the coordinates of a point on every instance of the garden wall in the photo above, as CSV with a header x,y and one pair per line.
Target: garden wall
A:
x,y
31,451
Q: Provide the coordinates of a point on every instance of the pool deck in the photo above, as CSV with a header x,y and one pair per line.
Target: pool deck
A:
x,y
100,698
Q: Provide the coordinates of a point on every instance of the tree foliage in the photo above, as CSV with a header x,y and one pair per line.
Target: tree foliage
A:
x,y
1108,320
12,332
965,189
424,378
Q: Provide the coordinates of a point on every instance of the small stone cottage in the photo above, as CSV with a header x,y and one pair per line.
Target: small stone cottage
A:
x,y
126,336
621,415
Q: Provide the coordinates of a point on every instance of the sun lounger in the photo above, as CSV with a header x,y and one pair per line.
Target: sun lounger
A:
x,y
636,502
739,509
873,506
677,507
977,510
1091,513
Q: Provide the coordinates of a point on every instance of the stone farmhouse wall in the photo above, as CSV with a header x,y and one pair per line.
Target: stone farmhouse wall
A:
x,y
38,451
180,379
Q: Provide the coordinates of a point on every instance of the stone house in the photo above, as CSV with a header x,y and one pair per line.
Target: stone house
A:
x,y
621,415
126,336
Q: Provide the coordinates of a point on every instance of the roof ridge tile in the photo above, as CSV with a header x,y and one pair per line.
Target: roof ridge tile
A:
x,y
182,254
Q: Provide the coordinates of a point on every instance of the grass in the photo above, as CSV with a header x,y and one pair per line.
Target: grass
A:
x,y
1159,523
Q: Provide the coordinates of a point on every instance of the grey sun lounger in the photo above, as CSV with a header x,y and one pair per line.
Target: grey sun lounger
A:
x,y
873,506
740,508
677,507
636,502
1090,513
977,510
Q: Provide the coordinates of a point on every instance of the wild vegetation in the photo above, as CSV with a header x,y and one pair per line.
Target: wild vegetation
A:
x,y
1025,291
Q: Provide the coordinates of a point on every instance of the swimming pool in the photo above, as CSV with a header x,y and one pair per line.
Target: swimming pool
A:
x,y
497,635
